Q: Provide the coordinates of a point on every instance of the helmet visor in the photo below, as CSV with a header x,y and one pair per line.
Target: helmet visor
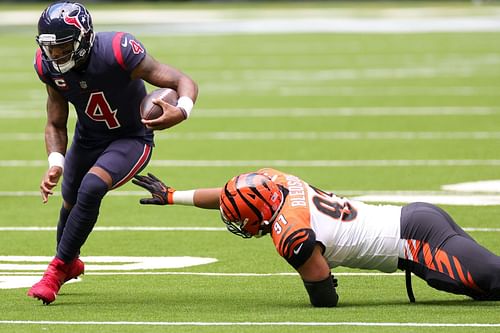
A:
x,y
58,52
236,227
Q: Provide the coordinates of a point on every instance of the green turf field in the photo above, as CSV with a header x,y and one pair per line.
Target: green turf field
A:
x,y
359,114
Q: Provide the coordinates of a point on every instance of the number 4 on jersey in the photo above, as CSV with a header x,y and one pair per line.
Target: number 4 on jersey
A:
x,y
98,109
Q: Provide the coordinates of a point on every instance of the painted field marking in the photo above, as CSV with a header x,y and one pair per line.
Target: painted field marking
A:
x,y
257,136
247,323
151,228
9,279
479,193
355,274
106,263
442,199
491,186
12,111
288,163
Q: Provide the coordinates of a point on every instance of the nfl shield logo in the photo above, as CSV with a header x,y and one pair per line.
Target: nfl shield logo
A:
x,y
83,84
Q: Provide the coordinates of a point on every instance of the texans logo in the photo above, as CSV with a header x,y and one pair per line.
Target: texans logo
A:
x,y
75,21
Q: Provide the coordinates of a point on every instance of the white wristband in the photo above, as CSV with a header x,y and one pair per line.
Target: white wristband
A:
x,y
56,159
185,103
183,198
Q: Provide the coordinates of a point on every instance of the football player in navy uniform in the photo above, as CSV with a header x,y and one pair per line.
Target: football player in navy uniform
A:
x,y
315,231
102,75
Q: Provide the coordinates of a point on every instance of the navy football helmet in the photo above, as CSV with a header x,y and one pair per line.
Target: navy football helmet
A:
x,y
65,35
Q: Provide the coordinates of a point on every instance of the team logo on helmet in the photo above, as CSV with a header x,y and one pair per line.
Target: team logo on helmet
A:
x,y
75,20
62,23
248,202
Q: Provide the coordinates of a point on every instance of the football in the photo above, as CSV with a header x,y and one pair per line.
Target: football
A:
x,y
149,110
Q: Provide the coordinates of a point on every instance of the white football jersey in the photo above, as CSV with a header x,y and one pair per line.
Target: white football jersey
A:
x,y
354,234
371,240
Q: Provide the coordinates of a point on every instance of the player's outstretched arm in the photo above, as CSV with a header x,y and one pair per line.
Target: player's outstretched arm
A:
x,y
162,194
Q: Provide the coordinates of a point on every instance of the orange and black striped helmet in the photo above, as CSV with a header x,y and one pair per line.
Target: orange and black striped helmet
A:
x,y
248,202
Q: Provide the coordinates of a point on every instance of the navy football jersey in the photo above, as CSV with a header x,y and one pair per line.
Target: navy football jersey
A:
x,y
105,98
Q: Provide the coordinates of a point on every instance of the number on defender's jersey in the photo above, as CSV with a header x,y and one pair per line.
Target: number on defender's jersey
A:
x,y
98,109
328,205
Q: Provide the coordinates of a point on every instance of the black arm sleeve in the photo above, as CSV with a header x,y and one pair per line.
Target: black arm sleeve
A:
x,y
322,293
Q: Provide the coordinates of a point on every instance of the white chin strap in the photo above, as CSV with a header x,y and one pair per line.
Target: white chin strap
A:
x,y
63,68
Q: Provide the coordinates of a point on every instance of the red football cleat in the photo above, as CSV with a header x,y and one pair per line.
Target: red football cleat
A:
x,y
56,274
77,268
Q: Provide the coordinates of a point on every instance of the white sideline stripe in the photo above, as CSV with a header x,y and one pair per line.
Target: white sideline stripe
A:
x,y
439,199
350,193
447,190
119,228
434,197
387,91
12,111
293,136
310,20
285,163
246,323
123,228
358,274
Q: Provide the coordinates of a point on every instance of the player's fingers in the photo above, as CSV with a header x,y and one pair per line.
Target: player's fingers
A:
x,y
45,197
143,185
138,179
154,177
49,184
154,124
150,201
162,103
147,179
138,182
45,192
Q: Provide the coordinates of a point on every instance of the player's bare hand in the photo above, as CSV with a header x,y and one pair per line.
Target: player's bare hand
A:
x,y
172,115
161,193
49,181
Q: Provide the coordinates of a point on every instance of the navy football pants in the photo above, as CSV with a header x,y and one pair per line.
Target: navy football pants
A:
x,y
122,159
440,252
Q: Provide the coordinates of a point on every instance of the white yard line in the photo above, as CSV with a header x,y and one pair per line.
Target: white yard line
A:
x,y
303,135
287,163
36,111
246,323
145,228
479,197
90,272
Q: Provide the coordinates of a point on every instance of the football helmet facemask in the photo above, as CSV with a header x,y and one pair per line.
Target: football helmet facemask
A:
x,y
249,203
65,35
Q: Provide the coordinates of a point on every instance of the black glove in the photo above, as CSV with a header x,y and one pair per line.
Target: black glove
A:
x,y
162,194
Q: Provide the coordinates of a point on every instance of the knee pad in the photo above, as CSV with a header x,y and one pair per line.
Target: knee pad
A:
x,y
91,191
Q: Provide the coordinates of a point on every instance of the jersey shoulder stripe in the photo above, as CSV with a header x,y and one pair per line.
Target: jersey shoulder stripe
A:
x,y
127,50
117,40
39,65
